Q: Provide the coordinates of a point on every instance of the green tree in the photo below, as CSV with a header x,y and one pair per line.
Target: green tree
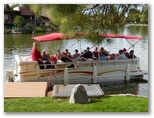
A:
x,y
144,14
134,15
18,21
91,19
28,28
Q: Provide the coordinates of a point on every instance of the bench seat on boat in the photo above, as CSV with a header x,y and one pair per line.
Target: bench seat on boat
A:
x,y
25,63
25,60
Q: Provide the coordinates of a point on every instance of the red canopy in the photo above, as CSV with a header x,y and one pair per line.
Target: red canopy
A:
x,y
59,36
119,36
49,37
115,36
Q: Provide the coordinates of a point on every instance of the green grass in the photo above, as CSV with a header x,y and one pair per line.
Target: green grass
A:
x,y
105,104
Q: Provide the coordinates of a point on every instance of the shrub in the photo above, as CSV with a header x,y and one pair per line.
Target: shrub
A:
x,y
7,31
28,28
39,29
18,21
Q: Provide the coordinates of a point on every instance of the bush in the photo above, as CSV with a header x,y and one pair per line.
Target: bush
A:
x,y
53,27
39,29
7,31
28,28
18,21
17,30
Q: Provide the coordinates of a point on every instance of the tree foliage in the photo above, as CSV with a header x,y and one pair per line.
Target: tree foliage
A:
x,y
28,28
144,15
91,19
134,16
18,21
139,14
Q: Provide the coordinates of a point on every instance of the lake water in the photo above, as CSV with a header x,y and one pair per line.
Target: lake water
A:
x,y
22,44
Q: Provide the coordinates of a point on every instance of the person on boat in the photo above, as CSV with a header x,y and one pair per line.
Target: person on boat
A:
x,y
76,54
83,54
124,50
112,56
102,55
87,54
36,55
46,59
58,55
126,54
66,56
121,55
95,53
53,59
131,54
103,50
67,53
44,55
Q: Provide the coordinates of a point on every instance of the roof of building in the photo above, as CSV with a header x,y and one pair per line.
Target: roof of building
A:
x,y
7,7
8,10
25,11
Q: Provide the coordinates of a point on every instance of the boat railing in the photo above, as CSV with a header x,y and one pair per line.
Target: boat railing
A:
x,y
107,62
25,60
93,63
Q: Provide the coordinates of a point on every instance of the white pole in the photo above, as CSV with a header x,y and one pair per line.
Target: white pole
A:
x,y
98,54
128,72
95,74
66,76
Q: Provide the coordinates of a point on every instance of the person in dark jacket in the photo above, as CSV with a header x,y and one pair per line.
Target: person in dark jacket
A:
x,y
87,54
131,54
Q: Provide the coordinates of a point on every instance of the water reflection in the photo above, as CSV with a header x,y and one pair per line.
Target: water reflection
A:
x,y
136,87
141,30
17,43
131,88
52,47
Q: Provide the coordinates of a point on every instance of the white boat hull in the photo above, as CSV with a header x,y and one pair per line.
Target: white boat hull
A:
x,y
83,72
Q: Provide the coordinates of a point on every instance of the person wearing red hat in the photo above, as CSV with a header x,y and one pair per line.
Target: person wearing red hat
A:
x,y
124,50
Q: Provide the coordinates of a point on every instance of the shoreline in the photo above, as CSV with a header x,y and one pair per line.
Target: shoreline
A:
x,y
133,24
49,94
128,94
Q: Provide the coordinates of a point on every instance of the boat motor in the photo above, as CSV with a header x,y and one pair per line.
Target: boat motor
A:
x,y
9,74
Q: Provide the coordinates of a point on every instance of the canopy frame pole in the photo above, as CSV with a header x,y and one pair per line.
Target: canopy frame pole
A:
x,y
80,46
133,53
132,45
98,53
72,45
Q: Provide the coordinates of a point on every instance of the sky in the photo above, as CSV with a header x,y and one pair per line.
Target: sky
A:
x,y
109,115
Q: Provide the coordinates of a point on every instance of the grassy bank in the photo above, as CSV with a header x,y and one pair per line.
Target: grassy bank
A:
x,y
105,104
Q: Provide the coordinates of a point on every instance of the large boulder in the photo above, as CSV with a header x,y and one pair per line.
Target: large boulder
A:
x,y
79,95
